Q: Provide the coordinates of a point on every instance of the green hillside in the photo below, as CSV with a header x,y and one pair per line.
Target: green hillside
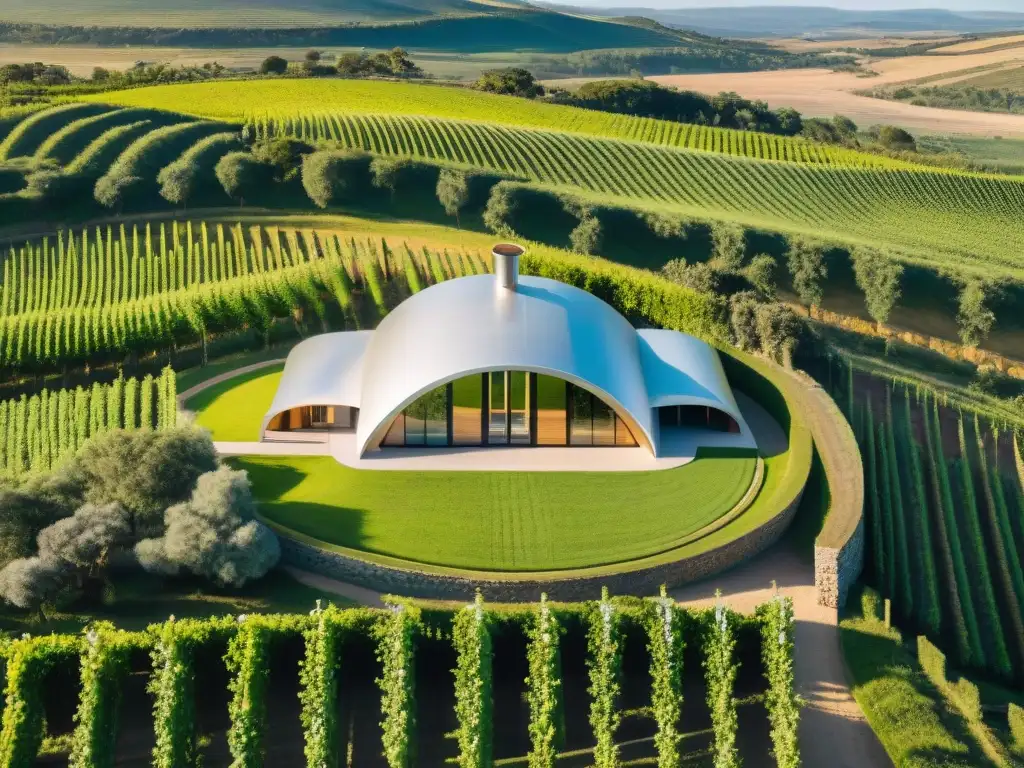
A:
x,y
239,13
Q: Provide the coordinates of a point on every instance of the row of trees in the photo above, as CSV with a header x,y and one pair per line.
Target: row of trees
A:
x,y
39,432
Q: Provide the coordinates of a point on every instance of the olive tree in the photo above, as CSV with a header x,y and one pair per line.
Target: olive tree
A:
x,y
452,192
240,174
807,267
214,534
177,181
586,236
879,277
331,176
974,316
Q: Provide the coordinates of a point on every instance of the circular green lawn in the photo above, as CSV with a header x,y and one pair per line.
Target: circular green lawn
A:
x,y
508,521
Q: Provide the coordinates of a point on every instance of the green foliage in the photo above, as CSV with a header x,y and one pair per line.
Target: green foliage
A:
x,y
892,137
474,685
604,661
879,277
318,680
933,662
974,317
28,662
241,175
397,684
215,534
720,671
760,273
273,65
497,215
586,237
331,176
544,687
808,270
903,594
1015,717
452,192
728,246
781,701
105,665
665,644
510,81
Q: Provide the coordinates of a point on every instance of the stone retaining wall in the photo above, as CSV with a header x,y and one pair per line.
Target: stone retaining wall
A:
x,y
643,581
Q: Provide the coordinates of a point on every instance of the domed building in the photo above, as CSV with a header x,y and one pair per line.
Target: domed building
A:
x,y
505,360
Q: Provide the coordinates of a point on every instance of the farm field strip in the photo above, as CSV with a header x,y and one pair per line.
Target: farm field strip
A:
x,y
294,101
976,216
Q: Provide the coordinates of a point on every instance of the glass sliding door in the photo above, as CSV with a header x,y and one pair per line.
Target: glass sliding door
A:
x,y
435,416
416,422
518,407
604,423
581,425
551,410
467,405
497,419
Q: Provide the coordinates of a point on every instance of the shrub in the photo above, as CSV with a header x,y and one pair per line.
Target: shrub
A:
x,y
474,697
499,210
111,190
544,687
241,175
586,237
31,582
214,534
700,277
760,273
84,540
743,320
974,316
728,245
778,331
177,181
604,661
332,176
273,65
510,81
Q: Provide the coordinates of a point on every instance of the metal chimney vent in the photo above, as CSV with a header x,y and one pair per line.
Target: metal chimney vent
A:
x,y
506,265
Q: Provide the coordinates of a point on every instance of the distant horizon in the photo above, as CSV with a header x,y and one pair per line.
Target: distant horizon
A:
x,y
997,6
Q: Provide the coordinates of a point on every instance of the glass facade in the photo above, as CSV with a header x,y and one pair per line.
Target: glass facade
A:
x,y
508,408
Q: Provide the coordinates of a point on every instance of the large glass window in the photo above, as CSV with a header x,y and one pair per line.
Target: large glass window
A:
x,y
518,408
467,402
551,425
497,427
509,407
581,428
435,405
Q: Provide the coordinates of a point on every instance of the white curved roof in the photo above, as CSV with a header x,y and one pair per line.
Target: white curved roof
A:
x,y
322,370
469,325
465,326
682,370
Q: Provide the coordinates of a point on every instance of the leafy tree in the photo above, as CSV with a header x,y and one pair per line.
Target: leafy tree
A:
x,y
386,173
760,273
743,320
214,534
891,137
112,189
586,236
31,582
778,331
84,540
27,510
313,56
273,65
700,277
510,81
879,277
240,174
974,316
452,192
145,471
332,176
728,243
395,63
283,155
807,267
177,181
500,207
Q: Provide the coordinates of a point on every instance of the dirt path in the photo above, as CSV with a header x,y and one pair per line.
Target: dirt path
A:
x,y
833,729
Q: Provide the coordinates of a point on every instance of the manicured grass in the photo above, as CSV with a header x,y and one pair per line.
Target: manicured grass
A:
x,y
190,377
142,599
499,520
233,409
910,717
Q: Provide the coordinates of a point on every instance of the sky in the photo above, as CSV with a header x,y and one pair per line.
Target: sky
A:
x,y
851,5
